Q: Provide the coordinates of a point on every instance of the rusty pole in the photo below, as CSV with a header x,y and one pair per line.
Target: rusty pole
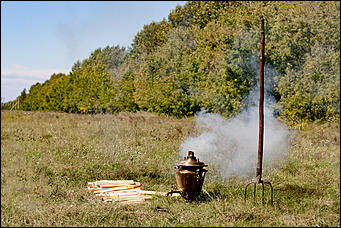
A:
x,y
261,108
261,126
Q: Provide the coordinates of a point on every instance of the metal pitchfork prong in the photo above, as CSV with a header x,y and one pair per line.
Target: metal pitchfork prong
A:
x,y
261,123
255,187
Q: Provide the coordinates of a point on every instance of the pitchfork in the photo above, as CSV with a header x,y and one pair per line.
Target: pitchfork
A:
x,y
261,129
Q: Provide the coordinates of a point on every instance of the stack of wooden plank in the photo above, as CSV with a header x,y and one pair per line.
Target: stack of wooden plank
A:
x,y
125,191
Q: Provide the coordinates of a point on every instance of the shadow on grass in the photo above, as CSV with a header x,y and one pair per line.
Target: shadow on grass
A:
x,y
216,193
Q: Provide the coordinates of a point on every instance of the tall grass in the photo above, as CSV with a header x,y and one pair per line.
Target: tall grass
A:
x,y
48,158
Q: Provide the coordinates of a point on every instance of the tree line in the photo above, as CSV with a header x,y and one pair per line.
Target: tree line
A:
x,y
206,54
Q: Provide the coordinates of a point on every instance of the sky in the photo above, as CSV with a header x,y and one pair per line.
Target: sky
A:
x,y
39,38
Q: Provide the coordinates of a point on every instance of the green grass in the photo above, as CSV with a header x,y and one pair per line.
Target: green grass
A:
x,y
47,159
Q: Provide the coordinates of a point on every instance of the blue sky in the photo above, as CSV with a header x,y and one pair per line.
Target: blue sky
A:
x,y
39,38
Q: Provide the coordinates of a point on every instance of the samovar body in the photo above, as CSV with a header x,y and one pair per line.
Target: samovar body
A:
x,y
190,175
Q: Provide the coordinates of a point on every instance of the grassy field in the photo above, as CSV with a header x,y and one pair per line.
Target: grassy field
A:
x,y
47,159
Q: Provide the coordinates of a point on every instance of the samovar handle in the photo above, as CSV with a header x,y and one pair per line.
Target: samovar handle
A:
x,y
203,173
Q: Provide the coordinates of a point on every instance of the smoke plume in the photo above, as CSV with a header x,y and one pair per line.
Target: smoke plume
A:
x,y
231,145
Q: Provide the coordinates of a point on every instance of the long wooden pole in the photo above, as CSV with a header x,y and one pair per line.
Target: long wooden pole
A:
x,y
261,108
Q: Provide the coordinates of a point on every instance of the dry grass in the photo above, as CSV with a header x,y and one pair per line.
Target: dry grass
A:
x,y
48,158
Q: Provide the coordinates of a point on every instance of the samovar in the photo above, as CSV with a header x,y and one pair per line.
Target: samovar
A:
x,y
190,175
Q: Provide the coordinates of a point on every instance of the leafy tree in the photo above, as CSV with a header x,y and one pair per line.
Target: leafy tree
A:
x,y
207,55
312,92
150,37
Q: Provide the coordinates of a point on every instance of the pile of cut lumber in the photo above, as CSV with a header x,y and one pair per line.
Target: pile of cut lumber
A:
x,y
125,191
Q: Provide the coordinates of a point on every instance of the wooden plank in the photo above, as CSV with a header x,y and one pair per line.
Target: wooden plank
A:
x,y
176,194
98,185
126,196
114,189
147,192
122,191
133,191
148,197
125,201
122,196
115,181
108,191
157,193
118,193
108,182
118,185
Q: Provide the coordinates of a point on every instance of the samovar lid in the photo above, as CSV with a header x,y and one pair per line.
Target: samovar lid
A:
x,y
191,160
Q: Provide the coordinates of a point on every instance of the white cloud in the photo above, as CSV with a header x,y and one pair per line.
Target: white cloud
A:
x,y
25,72
18,77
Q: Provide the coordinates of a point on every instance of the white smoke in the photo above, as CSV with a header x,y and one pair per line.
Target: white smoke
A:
x,y
231,145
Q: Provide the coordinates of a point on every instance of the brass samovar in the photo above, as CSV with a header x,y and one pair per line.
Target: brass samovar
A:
x,y
190,175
